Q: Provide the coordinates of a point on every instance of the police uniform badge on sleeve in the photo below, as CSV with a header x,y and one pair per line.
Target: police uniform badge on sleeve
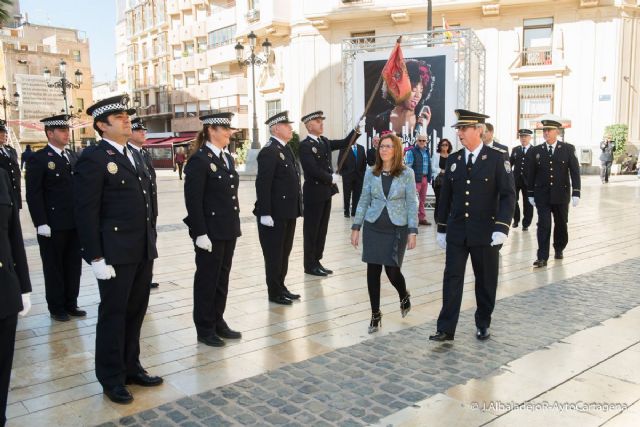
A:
x,y
484,157
282,156
214,168
112,168
507,166
51,165
314,149
210,155
453,167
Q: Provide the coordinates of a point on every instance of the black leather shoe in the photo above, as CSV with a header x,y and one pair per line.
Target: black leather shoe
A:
x,y
76,312
228,333
525,228
154,285
281,299
441,336
558,255
515,225
325,269
316,272
290,295
346,215
539,263
61,317
144,379
118,394
482,334
212,340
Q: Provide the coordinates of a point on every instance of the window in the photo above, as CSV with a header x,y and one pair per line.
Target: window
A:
x,y
192,109
201,13
160,9
178,110
144,51
203,75
76,55
187,19
191,79
175,22
533,101
188,49
222,36
177,51
204,108
537,41
178,82
202,44
253,5
137,23
80,104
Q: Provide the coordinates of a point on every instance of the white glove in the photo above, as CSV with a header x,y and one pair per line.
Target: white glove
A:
x,y
334,178
532,201
362,123
266,220
26,304
204,243
575,200
498,238
441,238
44,230
102,271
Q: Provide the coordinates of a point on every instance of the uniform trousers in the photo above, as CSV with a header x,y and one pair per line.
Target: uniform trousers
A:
x,y
351,189
211,286
560,214
521,187
314,230
7,343
123,304
61,265
484,260
276,243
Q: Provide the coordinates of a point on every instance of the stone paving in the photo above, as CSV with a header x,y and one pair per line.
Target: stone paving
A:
x,y
361,384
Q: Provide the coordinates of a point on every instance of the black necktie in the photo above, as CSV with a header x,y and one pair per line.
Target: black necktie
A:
x,y
469,162
550,151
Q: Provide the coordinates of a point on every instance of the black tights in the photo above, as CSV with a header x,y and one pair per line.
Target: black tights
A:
x,y
373,283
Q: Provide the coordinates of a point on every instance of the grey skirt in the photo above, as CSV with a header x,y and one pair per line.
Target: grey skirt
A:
x,y
384,245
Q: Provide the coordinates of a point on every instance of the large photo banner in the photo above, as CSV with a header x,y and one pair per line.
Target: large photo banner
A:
x,y
429,108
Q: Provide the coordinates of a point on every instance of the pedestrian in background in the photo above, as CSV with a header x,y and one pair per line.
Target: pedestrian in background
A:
x,y
438,166
606,158
417,158
25,156
179,160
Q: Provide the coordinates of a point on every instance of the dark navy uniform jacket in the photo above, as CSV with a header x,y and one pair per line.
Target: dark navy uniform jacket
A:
x,y
315,157
49,183
149,181
11,165
472,207
548,178
113,208
519,163
278,191
211,196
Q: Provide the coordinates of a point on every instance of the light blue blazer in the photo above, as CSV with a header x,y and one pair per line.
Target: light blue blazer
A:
x,y
401,203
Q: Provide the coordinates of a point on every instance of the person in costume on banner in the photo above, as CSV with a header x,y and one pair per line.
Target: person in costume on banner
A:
x,y
520,166
278,205
9,162
119,241
549,190
388,215
213,217
49,184
140,154
15,289
474,215
320,184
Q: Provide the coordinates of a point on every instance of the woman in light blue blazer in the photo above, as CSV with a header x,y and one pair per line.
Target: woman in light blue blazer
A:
x,y
388,208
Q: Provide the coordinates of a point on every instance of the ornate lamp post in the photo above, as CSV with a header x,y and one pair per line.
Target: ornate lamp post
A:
x,y
253,59
64,84
6,103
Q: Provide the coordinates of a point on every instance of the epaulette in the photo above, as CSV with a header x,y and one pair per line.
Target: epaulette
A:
x,y
268,144
500,150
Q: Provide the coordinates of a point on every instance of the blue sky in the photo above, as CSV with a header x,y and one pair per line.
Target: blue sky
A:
x,y
97,18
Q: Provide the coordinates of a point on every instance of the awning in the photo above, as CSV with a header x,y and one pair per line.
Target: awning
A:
x,y
152,141
168,142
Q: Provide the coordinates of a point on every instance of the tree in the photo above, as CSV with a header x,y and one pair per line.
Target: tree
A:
x,y
4,15
618,134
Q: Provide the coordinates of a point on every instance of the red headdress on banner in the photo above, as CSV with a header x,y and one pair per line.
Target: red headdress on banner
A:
x,y
396,78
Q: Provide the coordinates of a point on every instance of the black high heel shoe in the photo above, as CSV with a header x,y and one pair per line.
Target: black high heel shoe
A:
x,y
405,305
376,322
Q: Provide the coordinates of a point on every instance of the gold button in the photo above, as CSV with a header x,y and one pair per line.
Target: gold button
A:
x,y
213,213
551,183
115,228
123,181
139,179
468,181
466,215
235,208
466,192
551,169
0,265
551,176
466,203
233,186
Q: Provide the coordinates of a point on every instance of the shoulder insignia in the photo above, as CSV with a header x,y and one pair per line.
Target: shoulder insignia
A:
x,y
500,150
268,144
459,157
214,168
210,155
50,154
507,166
453,167
112,168
282,156
314,149
51,165
484,157
111,153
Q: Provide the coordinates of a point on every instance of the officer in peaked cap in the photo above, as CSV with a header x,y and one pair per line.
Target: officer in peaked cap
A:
x,y
49,184
549,189
487,139
213,217
141,155
319,186
119,241
474,215
9,162
520,167
278,204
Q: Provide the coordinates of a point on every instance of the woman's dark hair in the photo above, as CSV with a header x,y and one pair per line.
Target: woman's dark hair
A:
x,y
449,149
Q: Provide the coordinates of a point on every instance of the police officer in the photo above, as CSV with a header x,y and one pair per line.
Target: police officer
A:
x,y
352,163
319,186
15,286
213,217
474,214
278,204
550,191
140,154
9,162
487,139
520,166
118,240
49,184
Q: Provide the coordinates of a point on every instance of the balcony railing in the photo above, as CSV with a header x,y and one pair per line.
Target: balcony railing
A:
x,y
536,56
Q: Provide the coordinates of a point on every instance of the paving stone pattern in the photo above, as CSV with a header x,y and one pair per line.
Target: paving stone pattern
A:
x,y
359,385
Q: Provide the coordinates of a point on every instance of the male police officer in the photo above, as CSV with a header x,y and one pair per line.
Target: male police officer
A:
x,y
119,241
136,141
520,165
319,186
9,162
549,189
474,214
49,183
278,204
487,139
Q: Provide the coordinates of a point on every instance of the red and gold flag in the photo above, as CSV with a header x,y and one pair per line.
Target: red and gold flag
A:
x,y
396,77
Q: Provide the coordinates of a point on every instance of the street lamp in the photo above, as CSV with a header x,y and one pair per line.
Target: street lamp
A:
x,y
75,115
64,84
6,103
253,59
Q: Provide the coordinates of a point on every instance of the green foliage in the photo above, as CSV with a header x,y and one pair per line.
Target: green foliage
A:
x,y
4,15
242,148
294,143
618,134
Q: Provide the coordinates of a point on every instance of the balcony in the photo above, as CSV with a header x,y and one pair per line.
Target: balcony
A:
x,y
174,38
200,60
186,33
228,87
185,4
221,19
536,56
172,7
200,29
537,62
187,63
221,55
175,66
